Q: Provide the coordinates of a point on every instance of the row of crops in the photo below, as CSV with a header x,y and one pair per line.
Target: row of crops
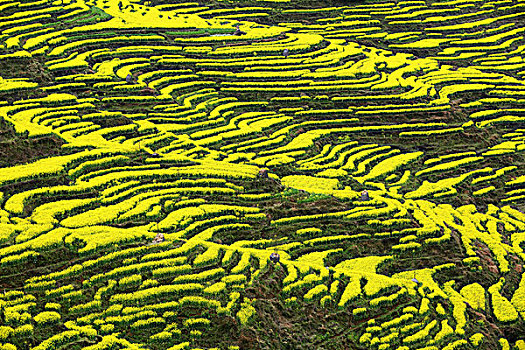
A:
x,y
241,128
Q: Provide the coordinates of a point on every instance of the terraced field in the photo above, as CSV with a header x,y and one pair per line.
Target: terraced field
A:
x,y
241,128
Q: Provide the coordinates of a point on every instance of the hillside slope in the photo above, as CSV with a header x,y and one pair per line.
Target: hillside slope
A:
x,y
240,128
